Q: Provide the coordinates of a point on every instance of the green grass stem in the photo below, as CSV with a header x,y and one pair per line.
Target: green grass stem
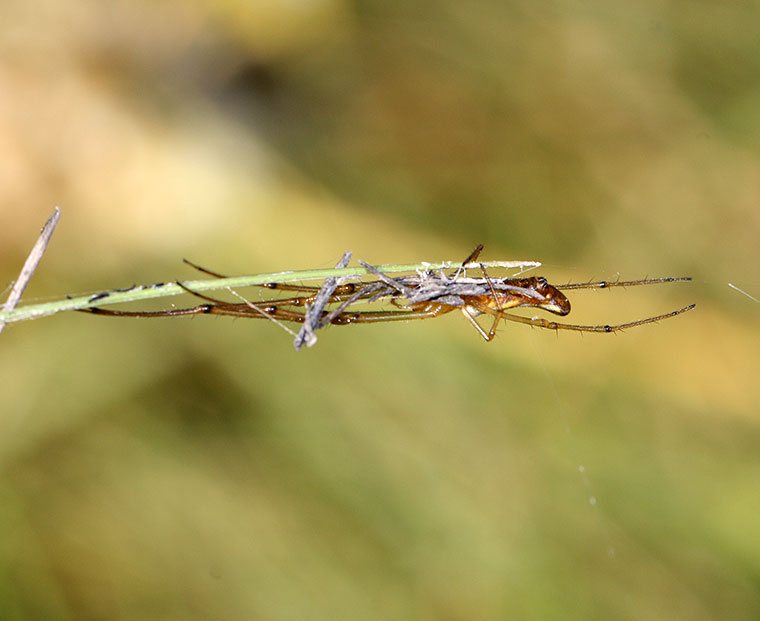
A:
x,y
163,290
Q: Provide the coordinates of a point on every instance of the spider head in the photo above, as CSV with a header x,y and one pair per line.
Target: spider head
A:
x,y
549,298
525,292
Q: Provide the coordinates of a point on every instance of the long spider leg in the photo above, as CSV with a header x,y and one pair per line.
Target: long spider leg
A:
x,y
487,336
203,269
604,284
242,310
266,309
345,289
540,322
473,256
270,312
201,296
342,319
470,259
233,310
427,312
298,301
497,315
301,301
175,312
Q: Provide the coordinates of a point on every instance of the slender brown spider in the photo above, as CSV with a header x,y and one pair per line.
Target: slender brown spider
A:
x,y
419,296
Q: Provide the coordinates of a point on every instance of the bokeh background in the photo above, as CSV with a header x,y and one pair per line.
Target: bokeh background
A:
x,y
201,469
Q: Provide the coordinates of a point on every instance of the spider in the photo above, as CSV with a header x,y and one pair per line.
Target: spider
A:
x,y
419,296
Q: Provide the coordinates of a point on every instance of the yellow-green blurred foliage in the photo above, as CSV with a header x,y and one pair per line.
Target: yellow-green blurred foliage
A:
x,y
201,469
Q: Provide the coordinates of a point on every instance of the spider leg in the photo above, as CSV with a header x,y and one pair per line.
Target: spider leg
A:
x,y
268,311
301,301
605,284
540,322
340,290
248,311
487,336
175,312
342,319
203,269
472,257
497,315
428,311
297,301
200,295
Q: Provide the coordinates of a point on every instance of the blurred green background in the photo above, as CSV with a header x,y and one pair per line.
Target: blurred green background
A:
x,y
201,469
